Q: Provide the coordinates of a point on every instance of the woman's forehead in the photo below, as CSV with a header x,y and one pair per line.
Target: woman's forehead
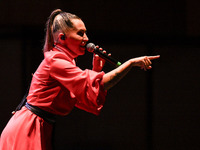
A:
x,y
78,24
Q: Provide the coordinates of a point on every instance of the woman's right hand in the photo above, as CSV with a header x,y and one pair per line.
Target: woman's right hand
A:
x,y
144,62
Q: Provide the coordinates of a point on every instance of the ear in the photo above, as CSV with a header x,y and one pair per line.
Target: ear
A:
x,y
61,36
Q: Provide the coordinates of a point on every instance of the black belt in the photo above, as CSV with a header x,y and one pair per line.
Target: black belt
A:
x,y
49,117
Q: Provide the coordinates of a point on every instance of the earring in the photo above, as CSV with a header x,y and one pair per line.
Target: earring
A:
x,y
62,37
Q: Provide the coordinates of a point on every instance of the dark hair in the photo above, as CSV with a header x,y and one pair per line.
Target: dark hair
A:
x,y
58,20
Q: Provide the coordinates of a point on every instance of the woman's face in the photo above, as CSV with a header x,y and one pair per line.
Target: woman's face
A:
x,y
76,38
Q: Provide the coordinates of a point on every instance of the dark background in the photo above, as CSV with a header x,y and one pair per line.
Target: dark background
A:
x,y
153,110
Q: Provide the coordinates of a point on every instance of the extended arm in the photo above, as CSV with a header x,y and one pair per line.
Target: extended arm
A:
x,y
113,77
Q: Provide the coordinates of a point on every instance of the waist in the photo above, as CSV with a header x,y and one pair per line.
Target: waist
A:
x,y
48,117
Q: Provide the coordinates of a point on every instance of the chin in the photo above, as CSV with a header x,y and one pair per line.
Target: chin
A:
x,y
82,51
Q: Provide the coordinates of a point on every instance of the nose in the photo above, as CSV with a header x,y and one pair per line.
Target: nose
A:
x,y
85,38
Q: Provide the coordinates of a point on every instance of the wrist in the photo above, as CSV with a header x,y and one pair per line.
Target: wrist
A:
x,y
133,63
97,69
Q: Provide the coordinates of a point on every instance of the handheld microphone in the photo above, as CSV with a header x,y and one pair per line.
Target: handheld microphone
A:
x,y
92,48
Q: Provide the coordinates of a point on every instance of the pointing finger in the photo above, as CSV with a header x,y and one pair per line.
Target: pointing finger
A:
x,y
153,57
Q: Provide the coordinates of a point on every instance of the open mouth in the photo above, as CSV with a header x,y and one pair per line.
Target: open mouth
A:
x,y
83,45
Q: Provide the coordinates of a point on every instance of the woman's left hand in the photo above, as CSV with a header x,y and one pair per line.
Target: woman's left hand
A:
x,y
98,62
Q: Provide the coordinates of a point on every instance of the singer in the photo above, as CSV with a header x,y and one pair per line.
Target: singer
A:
x,y
58,85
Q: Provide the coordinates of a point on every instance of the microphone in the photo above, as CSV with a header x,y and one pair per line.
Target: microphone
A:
x,y
92,48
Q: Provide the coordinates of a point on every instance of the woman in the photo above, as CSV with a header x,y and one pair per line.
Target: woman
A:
x,y
58,85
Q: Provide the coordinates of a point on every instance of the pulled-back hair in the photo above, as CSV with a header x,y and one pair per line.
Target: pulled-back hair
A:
x,y
57,21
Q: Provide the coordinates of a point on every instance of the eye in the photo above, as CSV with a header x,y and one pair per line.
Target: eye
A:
x,y
81,33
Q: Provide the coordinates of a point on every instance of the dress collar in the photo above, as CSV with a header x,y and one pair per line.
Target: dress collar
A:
x,y
61,48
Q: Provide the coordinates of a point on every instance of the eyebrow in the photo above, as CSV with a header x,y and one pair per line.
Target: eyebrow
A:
x,y
82,30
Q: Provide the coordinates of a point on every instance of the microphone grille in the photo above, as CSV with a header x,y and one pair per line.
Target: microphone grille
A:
x,y
90,47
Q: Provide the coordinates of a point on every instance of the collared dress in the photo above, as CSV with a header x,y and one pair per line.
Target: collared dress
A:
x,y
57,86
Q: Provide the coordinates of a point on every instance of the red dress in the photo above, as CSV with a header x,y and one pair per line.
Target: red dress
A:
x,y
57,86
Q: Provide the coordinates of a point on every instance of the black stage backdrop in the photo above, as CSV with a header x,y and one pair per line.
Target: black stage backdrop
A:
x,y
152,110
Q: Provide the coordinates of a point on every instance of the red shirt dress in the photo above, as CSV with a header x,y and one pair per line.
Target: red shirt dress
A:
x,y
57,86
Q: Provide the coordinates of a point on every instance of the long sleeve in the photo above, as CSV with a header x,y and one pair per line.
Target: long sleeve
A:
x,y
84,85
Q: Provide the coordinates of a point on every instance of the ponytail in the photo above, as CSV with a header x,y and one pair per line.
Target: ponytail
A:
x,y
49,31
